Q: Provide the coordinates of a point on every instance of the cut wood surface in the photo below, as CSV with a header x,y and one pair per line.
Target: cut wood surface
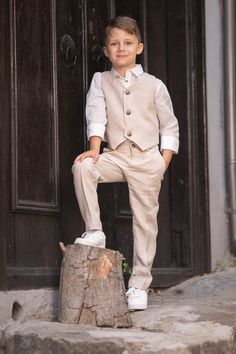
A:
x,y
92,287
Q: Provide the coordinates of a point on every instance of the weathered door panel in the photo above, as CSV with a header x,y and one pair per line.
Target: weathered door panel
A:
x,y
34,187
71,78
47,129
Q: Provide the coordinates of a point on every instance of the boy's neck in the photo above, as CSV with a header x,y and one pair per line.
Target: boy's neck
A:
x,y
122,71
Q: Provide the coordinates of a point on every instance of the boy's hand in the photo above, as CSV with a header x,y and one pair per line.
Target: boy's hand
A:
x,y
167,156
95,143
94,154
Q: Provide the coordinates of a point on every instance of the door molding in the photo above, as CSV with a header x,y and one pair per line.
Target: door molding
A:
x,y
21,202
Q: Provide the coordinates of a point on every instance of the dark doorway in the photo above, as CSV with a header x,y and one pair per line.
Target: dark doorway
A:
x,y
51,50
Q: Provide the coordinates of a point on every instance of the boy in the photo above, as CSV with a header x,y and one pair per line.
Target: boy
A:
x,y
129,109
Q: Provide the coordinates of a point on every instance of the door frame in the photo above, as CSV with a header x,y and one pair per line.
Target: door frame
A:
x,y
4,136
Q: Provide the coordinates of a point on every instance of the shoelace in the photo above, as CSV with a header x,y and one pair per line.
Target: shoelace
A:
x,y
132,291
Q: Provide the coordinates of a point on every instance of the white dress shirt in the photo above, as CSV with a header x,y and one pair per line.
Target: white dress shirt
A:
x,y
96,108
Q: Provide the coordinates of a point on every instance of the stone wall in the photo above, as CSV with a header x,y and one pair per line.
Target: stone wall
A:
x,y
40,304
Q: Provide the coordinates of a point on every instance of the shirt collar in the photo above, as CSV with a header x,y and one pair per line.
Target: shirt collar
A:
x,y
137,70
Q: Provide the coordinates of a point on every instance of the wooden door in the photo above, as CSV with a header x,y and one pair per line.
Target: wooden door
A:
x,y
173,34
52,49
42,130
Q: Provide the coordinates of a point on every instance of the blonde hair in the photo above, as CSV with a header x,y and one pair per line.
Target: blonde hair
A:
x,y
125,23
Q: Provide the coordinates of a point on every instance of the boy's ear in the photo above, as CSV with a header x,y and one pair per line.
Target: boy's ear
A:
x,y
140,48
105,51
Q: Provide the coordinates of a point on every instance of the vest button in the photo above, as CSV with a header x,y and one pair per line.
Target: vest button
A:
x,y
127,92
129,134
128,112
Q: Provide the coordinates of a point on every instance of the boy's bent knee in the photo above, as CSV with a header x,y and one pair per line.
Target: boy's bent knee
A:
x,y
84,166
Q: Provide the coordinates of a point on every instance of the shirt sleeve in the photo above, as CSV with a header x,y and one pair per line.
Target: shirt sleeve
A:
x,y
96,108
169,127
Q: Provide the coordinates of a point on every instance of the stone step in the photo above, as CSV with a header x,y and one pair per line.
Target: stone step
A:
x,y
34,337
195,317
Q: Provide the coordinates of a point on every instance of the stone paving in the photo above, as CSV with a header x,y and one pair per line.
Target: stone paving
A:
x,y
198,316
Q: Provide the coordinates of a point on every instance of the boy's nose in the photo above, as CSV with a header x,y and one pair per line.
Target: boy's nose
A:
x,y
121,47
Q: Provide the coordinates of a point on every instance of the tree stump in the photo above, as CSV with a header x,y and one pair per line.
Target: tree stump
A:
x,y
92,287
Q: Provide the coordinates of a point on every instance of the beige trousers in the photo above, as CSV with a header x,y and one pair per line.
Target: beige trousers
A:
x,y
143,171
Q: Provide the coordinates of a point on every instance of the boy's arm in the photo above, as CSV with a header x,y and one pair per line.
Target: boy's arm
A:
x,y
96,119
169,128
93,152
95,111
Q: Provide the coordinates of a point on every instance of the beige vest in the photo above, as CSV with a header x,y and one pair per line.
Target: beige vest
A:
x,y
131,112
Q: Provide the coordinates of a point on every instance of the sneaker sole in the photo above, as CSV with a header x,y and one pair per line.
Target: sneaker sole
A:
x,y
85,243
137,308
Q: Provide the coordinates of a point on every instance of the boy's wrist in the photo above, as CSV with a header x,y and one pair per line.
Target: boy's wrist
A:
x,y
95,151
167,156
95,143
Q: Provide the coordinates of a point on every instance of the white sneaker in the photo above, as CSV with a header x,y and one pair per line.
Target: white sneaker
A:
x,y
137,299
94,238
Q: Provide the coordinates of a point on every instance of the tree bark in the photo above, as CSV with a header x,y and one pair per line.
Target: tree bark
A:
x,y
92,287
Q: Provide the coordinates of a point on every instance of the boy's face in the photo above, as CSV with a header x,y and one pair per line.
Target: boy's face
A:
x,y
121,49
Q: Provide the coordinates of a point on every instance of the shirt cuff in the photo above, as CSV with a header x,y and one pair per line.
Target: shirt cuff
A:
x,y
170,143
96,129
